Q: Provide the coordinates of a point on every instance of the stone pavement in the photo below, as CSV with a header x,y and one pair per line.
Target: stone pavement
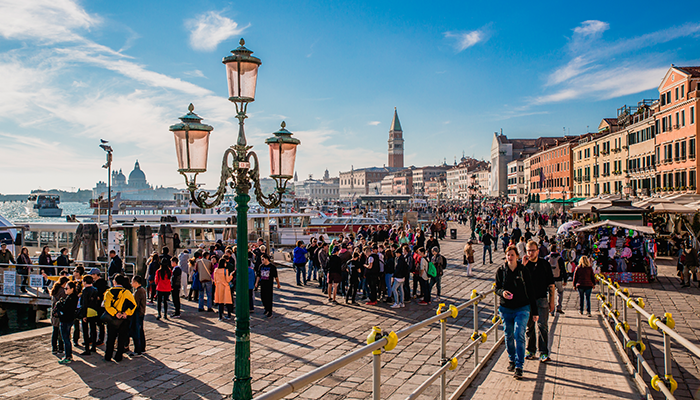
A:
x,y
583,364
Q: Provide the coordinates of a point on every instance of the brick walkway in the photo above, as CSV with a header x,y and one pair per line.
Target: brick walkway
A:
x,y
583,364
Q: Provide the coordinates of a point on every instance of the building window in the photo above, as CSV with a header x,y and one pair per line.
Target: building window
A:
x,y
691,148
692,115
682,91
676,94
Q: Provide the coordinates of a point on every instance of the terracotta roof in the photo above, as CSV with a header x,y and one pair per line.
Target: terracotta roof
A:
x,y
692,71
611,121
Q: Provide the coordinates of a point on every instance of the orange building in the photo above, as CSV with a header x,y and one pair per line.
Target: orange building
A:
x,y
551,171
677,130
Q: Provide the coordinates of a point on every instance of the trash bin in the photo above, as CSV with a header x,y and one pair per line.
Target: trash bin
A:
x,y
453,233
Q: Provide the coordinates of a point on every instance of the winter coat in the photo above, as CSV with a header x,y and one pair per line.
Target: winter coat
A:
x,y
163,284
584,277
222,295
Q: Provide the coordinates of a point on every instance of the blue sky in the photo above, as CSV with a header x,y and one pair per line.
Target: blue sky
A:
x,y
74,72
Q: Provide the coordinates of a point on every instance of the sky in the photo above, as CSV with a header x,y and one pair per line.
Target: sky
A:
x,y
74,72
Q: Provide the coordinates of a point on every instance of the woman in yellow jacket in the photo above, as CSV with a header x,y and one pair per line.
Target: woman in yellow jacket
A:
x,y
120,305
223,292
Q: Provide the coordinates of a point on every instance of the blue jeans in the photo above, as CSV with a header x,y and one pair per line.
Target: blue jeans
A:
x,y
137,332
487,247
65,336
398,291
436,281
514,324
584,293
387,282
312,271
206,287
301,272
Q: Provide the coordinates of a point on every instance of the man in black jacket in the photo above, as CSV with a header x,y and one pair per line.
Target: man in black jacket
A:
x,y
543,289
487,239
116,266
90,303
101,285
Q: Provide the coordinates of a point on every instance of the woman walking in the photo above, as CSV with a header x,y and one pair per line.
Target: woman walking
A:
x,y
66,309
266,276
469,257
222,293
514,286
163,287
584,281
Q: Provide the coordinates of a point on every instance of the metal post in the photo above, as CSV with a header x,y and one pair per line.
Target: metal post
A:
x,y
443,358
476,329
667,355
639,338
242,380
377,376
109,197
495,313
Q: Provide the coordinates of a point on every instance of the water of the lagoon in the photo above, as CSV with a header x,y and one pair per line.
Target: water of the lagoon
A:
x,y
22,211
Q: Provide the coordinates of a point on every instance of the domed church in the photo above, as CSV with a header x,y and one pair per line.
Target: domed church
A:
x,y
137,187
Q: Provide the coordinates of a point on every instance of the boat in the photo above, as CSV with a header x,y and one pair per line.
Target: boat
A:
x,y
46,204
330,224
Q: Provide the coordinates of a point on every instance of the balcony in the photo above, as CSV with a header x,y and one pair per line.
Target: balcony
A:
x,y
616,150
676,126
604,174
587,178
605,152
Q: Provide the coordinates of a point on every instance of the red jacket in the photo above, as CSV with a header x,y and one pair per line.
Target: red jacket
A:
x,y
163,285
584,277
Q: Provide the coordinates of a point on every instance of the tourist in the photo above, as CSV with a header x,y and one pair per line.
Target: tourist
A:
x,y
355,266
176,284
515,289
556,261
265,279
153,267
251,286
334,267
48,268
63,260
100,284
24,263
372,273
195,285
521,245
505,239
690,265
389,269
313,268
400,275
301,255
543,291
584,282
469,257
440,263
321,259
163,287
183,260
222,294
89,307
422,274
57,294
487,239
116,266
6,256
119,306
204,270
137,333
65,310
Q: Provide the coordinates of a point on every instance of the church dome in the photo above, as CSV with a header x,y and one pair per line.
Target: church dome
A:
x,y
137,176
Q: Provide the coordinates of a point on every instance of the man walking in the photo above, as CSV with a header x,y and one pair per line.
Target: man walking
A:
x,y
487,239
543,291
556,261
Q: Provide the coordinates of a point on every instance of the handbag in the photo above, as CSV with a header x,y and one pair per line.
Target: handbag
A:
x,y
196,284
432,271
108,319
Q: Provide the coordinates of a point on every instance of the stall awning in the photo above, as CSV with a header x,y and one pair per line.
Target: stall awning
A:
x,y
607,223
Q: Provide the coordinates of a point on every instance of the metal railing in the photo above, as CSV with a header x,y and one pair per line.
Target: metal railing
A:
x,y
609,298
377,341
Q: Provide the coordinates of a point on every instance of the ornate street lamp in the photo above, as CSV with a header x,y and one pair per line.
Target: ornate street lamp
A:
x,y
108,166
472,195
237,172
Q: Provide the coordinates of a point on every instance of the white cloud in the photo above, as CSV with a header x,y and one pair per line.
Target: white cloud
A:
x,y
595,69
211,28
45,20
373,123
194,74
465,40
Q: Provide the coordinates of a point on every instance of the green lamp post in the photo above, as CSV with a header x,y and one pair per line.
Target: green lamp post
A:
x,y
239,174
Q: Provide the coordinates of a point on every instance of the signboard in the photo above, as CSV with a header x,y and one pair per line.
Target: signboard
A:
x,y
36,281
9,280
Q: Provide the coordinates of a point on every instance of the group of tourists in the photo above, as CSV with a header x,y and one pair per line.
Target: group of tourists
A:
x,y
377,264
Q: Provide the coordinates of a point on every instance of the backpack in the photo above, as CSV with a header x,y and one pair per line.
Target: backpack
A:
x,y
554,262
58,308
432,271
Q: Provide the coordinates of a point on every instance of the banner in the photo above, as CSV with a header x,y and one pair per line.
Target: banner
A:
x,y
36,281
9,281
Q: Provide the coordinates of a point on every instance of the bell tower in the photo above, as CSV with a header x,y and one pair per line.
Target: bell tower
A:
x,y
395,143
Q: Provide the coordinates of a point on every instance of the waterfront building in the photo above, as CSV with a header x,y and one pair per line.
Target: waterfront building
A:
x,y
516,181
608,154
403,181
551,173
483,179
387,185
357,181
136,188
677,130
638,154
504,150
317,189
422,175
457,177
585,161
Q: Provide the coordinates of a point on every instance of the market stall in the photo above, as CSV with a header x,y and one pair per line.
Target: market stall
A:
x,y
623,252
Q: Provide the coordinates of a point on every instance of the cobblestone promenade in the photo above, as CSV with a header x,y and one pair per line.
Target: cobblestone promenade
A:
x,y
193,357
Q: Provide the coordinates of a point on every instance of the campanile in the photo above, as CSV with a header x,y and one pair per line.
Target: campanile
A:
x,y
395,143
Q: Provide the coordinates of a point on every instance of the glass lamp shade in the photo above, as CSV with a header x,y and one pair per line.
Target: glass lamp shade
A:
x,y
192,148
283,153
242,74
191,142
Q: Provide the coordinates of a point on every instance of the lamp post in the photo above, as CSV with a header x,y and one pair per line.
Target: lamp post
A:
x,y
108,165
472,195
237,172
628,188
